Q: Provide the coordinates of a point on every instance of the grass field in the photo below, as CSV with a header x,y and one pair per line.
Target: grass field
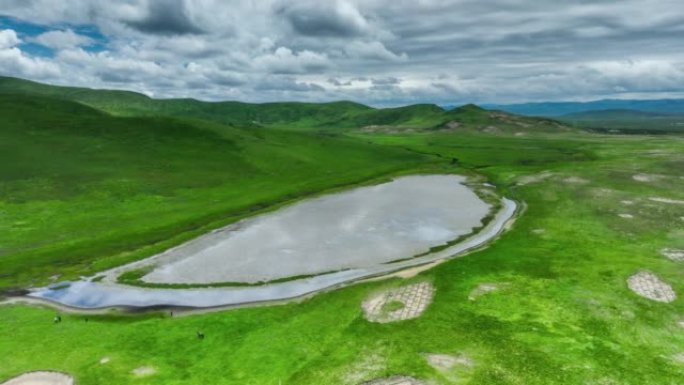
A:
x,y
562,314
81,190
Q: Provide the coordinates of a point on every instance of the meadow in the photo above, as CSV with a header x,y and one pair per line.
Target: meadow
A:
x,y
561,314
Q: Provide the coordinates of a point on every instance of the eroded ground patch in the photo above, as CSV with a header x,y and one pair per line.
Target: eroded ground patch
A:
x,y
397,380
676,255
41,378
648,285
399,304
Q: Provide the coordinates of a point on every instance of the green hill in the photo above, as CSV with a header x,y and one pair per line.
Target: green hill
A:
x,y
341,115
81,190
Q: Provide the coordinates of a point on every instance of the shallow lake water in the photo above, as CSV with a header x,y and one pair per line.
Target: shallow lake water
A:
x,y
354,234
353,229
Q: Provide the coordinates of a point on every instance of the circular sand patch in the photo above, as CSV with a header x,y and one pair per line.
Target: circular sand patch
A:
x,y
666,200
41,378
399,304
646,178
396,380
104,360
676,255
144,371
445,362
648,285
575,180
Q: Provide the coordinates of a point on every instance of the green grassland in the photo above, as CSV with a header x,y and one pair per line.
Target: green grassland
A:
x,y
326,117
81,190
562,315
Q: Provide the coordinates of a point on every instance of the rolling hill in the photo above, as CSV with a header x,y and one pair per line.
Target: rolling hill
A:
x,y
81,189
342,115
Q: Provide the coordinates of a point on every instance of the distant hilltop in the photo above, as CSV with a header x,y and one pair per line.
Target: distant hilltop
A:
x,y
341,115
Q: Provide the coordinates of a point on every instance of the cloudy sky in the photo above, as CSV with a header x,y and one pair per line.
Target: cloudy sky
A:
x,y
381,52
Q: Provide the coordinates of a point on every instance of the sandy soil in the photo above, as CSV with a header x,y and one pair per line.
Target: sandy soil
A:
x,y
626,216
41,378
648,285
666,200
397,380
144,371
673,254
415,298
444,362
647,178
575,180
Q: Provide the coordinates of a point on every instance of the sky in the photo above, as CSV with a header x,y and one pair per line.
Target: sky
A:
x,y
378,52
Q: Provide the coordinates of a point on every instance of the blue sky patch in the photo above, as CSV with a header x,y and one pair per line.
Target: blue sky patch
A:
x,y
27,30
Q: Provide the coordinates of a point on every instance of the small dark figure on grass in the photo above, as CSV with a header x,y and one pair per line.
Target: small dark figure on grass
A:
x,y
200,335
57,319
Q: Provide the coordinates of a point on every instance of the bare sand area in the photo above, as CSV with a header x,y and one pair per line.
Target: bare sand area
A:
x,y
648,285
397,380
41,378
399,304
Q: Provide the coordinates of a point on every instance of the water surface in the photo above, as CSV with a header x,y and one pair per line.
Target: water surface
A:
x,y
359,228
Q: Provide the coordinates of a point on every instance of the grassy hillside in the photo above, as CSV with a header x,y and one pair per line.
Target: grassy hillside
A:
x,y
335,116
81,190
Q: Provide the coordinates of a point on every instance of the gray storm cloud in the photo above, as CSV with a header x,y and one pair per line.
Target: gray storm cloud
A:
x,y
383,52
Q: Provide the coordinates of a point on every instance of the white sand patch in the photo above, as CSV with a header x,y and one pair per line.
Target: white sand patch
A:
x,y
445,362
575,180
681,324
41,378
396,380
666,200
104,360
534,178
538,231
482,289
646,178
673,254
648,285
626,216
627,202
144,371
414,298
678,358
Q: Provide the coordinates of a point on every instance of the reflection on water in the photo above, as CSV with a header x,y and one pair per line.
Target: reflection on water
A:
x,y
98,294
359,228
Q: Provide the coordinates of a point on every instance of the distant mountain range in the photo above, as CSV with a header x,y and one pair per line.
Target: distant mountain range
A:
x,y
558,109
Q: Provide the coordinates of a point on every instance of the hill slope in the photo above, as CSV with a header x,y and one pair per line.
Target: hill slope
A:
x,y
81,190
342,115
